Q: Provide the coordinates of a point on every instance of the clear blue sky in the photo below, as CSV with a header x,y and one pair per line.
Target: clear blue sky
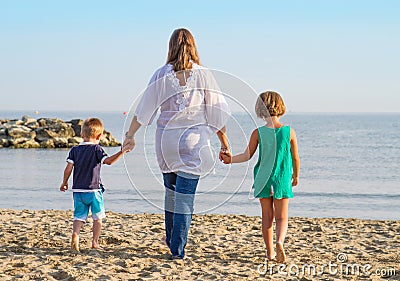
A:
x,y
322,56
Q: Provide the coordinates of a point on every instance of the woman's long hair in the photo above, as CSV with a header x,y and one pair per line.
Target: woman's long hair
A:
x,y
182,50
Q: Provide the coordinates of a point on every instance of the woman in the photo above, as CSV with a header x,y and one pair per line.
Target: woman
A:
x,y
191,107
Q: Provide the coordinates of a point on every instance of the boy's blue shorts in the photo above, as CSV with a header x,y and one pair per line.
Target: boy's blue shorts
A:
x,y
83,201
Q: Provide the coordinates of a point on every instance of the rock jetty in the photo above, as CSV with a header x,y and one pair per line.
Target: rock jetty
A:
x,y
28,132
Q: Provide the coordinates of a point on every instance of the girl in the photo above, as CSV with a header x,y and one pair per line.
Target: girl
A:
x,y
276,171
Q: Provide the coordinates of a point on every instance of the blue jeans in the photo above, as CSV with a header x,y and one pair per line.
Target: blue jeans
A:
x,y
180,191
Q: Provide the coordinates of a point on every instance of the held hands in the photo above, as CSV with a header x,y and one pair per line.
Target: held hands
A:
x,y
128,145
227,159
225,156
64,187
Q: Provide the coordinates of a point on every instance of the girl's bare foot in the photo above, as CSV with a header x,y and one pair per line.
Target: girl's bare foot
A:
x,y
96,246
280,253
271,257
75,242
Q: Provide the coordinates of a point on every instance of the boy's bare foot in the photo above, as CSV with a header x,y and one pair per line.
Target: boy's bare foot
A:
x,y
96,246
75,242
280,253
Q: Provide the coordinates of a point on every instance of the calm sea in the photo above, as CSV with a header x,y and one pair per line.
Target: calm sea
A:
x,y
349,168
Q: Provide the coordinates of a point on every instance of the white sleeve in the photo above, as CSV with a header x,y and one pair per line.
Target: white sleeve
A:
x,y
149,102
217,109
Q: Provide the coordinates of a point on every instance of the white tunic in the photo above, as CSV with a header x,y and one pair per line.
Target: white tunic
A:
x,y
189,113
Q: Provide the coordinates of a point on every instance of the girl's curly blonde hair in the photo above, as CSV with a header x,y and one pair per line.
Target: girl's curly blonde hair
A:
x,y
269,104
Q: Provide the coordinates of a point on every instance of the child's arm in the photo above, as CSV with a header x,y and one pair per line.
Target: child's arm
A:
x,y
295,157
247,154
114,158
67,173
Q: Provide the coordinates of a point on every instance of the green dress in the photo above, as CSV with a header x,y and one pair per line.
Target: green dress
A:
x,y
274,166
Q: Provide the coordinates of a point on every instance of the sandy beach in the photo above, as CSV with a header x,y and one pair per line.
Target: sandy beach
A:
x,y
34,245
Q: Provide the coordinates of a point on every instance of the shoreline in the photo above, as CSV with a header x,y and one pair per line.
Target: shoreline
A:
x,y
209,214
35,245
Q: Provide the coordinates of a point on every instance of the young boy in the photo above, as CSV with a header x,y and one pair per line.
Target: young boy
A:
x,y
85,160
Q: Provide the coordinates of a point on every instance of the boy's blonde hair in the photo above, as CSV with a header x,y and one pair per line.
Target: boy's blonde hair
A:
x,y
269,104
91,128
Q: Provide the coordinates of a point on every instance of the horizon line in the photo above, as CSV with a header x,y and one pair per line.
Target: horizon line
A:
x,y
127,113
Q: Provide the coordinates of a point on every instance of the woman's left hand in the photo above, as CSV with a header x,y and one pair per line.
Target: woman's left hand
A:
x,y
128,145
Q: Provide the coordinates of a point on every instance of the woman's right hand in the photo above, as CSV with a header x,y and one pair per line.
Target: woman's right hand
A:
x,y
128,145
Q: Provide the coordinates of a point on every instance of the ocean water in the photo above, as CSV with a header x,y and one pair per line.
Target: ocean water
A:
x,y
349,168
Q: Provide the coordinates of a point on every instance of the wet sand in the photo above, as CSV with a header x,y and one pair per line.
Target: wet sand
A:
x,y
35,245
